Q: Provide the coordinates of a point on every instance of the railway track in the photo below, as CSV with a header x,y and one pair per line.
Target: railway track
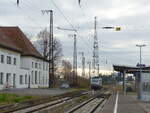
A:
x,y
93,105
42,106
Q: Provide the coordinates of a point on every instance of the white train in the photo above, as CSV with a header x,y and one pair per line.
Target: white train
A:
x,y
96,83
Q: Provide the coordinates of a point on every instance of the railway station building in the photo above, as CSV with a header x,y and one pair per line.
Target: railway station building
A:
x,y
21,65
142,80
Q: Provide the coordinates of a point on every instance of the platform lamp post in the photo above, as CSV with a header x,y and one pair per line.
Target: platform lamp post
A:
x,y
139,78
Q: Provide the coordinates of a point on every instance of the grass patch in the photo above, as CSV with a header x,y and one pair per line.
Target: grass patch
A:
x,y
13,98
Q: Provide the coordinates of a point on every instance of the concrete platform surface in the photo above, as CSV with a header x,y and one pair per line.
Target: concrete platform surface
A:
x,y
144,105
120,103
55,91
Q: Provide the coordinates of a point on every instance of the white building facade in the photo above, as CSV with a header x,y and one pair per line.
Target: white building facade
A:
x,y
19,69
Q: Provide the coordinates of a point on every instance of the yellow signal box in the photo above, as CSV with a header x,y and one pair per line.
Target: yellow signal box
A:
x,y
118,28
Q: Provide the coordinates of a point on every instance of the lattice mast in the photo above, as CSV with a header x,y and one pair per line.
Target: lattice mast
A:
x,y
95,50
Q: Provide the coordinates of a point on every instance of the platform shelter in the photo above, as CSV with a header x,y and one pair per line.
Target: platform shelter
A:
x,y
142,79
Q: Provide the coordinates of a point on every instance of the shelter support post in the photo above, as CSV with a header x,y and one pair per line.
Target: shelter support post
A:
x,y
124,83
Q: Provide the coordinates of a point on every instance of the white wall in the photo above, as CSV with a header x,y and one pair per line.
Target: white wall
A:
x,y
23,73
9,68
23,67
41,71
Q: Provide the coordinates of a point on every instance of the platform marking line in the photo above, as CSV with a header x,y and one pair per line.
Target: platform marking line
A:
x,y
116,103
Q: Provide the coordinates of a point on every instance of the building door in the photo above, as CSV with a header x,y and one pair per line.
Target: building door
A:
x,y
8,80
14,81
29,82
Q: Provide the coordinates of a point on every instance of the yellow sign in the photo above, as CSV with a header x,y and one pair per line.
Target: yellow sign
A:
x,y
118,28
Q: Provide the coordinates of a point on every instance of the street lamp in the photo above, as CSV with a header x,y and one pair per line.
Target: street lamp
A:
x,y
139,78
140,46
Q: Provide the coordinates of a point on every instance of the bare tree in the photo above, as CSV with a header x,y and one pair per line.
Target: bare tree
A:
x,y
67,70
42,44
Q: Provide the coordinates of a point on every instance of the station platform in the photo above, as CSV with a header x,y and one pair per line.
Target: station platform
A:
x,y
120,103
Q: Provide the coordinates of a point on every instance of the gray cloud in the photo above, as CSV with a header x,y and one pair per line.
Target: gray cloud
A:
x,y
116,47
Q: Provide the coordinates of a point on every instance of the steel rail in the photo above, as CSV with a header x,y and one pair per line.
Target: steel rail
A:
x,y
52,103
104,95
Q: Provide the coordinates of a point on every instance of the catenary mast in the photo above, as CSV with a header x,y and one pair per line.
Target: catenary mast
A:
x,y
95,50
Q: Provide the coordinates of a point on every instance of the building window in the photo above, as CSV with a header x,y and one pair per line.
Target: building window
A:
x,y
32,64
21,79
43,80
46,67
26,79
39,66
14,61
35,77
2,58
43,66
1,78
146,86
14,80
32,77
36,65
46,80
8,77
8,60
39,77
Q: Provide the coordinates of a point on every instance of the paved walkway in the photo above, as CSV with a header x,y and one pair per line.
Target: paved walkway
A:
x,y
124,104
144,105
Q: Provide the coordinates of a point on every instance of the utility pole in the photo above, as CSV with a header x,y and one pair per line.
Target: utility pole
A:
x,y
75,81
83,63
51,50
98,69
89,63
95,50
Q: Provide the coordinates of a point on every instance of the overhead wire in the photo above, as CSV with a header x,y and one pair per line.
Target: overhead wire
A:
x,y
84,15
62,14
69,22
26,5
64,18
31,19
36,6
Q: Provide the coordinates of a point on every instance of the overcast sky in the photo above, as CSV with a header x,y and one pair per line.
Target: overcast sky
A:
x,y
117,47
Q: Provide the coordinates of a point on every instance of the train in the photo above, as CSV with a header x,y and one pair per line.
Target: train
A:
x,y
96,83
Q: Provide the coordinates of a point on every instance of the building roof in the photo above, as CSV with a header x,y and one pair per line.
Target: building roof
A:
x,y
122,68
130,69
14,39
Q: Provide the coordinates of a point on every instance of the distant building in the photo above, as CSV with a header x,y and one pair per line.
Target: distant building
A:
x,y
21,65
